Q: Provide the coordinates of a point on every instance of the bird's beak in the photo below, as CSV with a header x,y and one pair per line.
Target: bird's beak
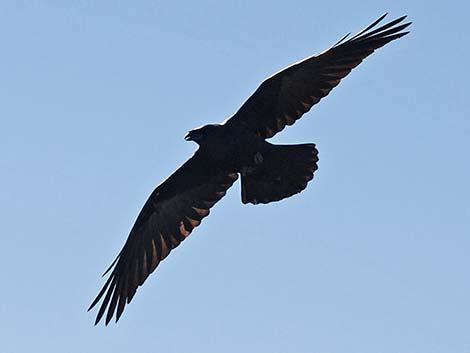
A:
x,y
193,135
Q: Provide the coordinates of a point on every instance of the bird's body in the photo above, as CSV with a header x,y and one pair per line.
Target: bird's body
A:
x,y
237,147
228,147
269,172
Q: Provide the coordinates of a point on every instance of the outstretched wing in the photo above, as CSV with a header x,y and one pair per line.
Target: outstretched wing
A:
x,y
167,218
284,97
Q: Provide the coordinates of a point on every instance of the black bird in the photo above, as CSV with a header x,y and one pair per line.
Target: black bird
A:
x,y
237,146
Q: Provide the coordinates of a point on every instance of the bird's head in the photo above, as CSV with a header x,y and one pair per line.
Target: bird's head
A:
x,y
202,135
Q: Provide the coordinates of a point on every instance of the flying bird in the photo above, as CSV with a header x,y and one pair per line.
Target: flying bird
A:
x,y
236,147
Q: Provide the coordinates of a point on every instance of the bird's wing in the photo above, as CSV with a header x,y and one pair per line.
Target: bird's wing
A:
x,y
167,218
284,97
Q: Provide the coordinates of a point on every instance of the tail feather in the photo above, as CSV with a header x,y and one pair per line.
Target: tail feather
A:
x,y
285,170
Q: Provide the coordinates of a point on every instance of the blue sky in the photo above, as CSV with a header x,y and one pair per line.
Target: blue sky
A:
x,y
371,257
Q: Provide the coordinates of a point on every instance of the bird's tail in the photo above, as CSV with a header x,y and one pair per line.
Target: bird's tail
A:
x,y
282,171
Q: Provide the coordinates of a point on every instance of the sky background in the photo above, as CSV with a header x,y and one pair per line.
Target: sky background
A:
x,y
372,257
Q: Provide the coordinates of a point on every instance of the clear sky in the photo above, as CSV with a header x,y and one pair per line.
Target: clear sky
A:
x,y
372,257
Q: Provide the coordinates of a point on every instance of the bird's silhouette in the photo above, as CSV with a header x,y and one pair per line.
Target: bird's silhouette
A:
x,y
237,147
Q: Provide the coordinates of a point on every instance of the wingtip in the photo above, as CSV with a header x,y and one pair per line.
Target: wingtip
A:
x,y
99,317
380,19
92,305
118,314
402,18
341,40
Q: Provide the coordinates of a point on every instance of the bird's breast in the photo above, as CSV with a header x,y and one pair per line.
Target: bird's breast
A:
x,y
235,152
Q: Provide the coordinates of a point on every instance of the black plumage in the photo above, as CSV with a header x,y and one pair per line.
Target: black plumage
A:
x,y
237,146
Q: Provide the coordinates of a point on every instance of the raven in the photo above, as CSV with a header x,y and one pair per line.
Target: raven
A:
x,y
238,146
